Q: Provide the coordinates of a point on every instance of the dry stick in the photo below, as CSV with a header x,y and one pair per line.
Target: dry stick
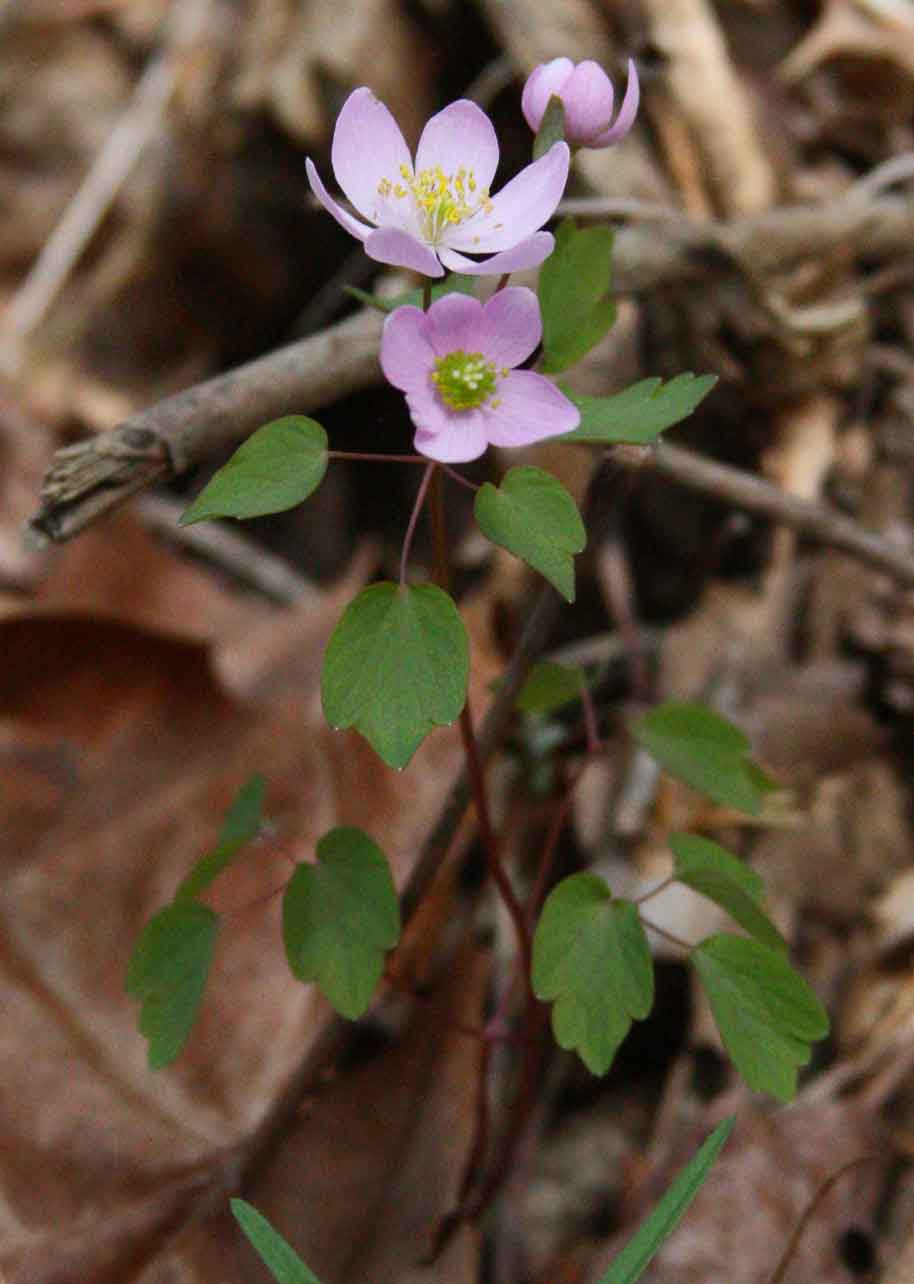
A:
x,y
813,1206
233,553
92,477
746,491
133,132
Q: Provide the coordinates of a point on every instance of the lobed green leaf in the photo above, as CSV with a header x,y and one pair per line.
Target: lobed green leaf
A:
x,y
532,515
339,917
714,872
766,1013
573,286
631,1263
396,666
703,749
168,971
279,1257
278,466
591,958
241,825
640,413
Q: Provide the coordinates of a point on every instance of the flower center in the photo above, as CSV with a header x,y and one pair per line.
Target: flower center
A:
x,y
440,199
464,380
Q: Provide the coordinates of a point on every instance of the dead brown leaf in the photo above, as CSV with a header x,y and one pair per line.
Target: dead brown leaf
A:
x,y
126,749
374,1161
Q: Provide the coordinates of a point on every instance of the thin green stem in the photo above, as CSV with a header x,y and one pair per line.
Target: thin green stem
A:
x,y
426,294
414,517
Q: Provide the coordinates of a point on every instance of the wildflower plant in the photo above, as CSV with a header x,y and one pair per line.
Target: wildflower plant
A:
x,y
397,666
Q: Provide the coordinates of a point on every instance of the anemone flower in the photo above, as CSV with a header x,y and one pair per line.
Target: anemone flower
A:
x,y
456,363
439,209
587,96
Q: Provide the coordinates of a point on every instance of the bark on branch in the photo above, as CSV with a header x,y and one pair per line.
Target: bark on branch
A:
x,y
92,477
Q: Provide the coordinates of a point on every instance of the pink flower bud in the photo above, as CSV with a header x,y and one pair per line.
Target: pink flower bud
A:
x,y
587,96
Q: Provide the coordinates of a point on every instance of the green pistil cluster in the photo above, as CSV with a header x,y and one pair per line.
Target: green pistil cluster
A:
x,y
464,380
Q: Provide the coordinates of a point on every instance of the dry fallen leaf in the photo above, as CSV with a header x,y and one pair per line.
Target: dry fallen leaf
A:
x,y
126,749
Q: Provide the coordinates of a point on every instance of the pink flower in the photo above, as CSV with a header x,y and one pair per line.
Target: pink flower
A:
x,y
439,210
587,96
456,362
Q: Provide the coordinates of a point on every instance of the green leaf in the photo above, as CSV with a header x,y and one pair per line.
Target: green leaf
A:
x,y
278,466
396,666
280,1258
766,1013
640,413
339,916
453,284
631,1263
168,972
552,127
549,686
573,285
704,750
241,824
533,516
716,873
590,956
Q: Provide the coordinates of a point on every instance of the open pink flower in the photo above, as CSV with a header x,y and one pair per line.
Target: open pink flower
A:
x,y
439,210
456,362
587,96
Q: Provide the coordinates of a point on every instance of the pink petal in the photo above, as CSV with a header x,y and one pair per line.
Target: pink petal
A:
x,y
343,217
519,209
627,111
529,254
531,409
393,245
453,324
368,147
588,97
460,137
406,354
545,80
448,436
511,326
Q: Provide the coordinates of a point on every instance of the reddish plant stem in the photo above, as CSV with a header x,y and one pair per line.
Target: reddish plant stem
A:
x,y
503,281
368,457
476,774
467,1204
547,857
414,517
594,746
491,844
